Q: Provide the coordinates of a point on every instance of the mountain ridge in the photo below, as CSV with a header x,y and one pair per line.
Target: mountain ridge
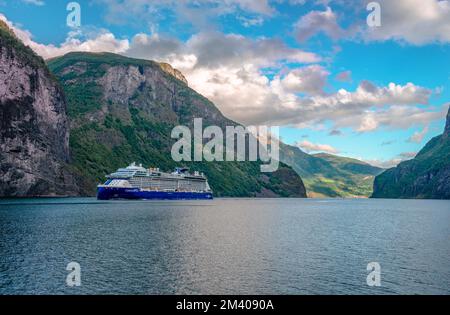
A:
x,y
321,177
427,176
124,109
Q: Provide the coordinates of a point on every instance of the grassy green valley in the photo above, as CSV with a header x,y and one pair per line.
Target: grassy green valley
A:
x,y
328,175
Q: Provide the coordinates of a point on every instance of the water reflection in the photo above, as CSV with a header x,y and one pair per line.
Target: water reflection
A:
x,y
225,246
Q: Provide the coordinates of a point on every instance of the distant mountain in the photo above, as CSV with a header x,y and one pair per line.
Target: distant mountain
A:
x,y
34,131
351,165
327,175
427,176
123,110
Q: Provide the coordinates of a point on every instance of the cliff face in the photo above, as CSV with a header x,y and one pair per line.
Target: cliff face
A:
x,y
426,176
173,72
34,137
123,110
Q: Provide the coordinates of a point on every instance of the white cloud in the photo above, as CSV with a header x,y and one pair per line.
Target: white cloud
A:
x,y
227,69
297,2
249,22
311,80
418,136
100,42
318,21
407,155
155,47
199,13
214,49
195,12
230,70
366,109
414,21
35,2
386,164
313,147
394,117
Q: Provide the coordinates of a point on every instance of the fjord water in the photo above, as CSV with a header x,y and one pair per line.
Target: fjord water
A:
x,y
225,246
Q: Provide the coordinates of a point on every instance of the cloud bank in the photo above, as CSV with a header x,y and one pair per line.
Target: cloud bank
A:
x,y
262,80
414,22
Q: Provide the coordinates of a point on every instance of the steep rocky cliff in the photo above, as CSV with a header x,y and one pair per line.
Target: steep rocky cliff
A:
x,y
123,110
173,72
426,176
34,138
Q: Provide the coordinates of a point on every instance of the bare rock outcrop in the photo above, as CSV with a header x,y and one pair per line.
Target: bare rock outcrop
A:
x,y
34,133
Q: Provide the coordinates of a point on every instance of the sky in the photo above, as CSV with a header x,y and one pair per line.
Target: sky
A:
x,y
331,80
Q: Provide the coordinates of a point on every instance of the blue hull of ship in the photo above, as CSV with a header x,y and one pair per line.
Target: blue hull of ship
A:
x,y
136,194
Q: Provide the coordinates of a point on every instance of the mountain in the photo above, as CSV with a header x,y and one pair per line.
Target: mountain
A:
x,y
123,110
327,175
34,131
427,176
350,165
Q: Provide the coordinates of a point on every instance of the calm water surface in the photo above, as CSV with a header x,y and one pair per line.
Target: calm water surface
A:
x,y
225,246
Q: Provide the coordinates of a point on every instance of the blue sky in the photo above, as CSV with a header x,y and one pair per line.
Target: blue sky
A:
x,y
315,68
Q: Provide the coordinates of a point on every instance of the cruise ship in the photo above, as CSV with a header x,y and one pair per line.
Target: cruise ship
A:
x,y
137,182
